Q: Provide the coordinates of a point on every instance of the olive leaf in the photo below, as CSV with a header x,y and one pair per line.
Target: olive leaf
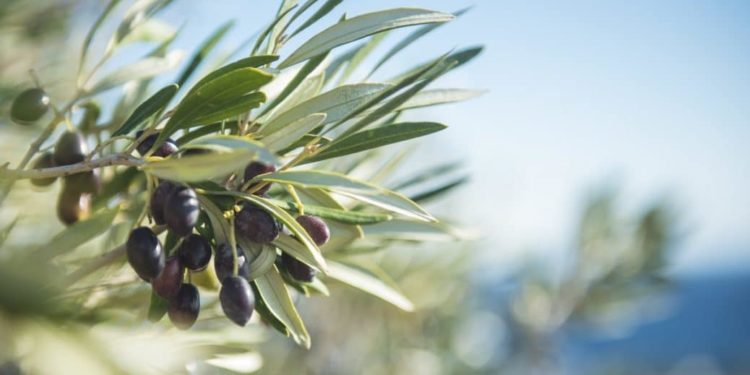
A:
x,y
150,107
272,291
367,282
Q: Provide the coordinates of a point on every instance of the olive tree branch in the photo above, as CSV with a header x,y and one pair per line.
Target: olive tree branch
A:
x,y
66,170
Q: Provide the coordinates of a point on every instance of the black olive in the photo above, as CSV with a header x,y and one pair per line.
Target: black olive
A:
x,y
316,228
72,206
256,225
237,299
181,211
159,200
255,169
167,284
45,160
224,262
167,148
29,106
145,253
195,252
184,307
70,148
298,270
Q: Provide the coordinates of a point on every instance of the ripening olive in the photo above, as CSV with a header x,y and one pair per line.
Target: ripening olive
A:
x,y
195,252
167,148
145,253
184,307
237,299
256,225
315,227
181,211
255,169
29,106
298,270
85,182
70,148
43,161
224,262
159,200
72,205
167,284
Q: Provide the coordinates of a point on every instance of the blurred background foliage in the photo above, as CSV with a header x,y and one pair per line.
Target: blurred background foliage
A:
x,y
466,321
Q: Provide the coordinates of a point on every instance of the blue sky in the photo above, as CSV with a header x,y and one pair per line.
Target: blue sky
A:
x,y
650,95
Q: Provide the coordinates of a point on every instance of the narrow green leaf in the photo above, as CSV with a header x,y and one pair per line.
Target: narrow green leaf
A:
x,y
336,104
322,12
284,9
276,298
308,89
146,68
352,188
92,32
205,48
300,77
202,167
266,314
339,215
229,143
342,235
296,249
377,137
247,62
429,174
5,232
136,15
296,130
362,52
230,126
412,231
360,27
411,38
368,283
220,110
79,233
261,258
433,97
440,190
150,107
450,62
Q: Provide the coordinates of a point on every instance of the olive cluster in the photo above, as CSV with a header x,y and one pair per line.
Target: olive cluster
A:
x,y
177,207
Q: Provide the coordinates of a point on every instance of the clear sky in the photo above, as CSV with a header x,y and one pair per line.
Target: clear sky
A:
x,y
652,95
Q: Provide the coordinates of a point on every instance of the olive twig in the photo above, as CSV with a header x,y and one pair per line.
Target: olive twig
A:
x,y
67,170
293,193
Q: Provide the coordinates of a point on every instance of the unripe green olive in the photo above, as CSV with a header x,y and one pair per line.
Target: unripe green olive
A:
x,y
29,106
43,161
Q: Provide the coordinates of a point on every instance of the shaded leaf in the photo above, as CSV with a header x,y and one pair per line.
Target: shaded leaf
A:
x,y
79,233
150,107
428,98
442,189
276,298
280,140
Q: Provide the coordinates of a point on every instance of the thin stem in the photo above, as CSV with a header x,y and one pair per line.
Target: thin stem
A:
x,y
66,170
293,193
106,143
233,245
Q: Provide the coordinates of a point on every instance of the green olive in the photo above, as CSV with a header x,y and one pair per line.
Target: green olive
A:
x,y
29,106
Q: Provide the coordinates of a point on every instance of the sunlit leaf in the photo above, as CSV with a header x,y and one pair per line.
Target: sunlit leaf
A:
x,y
201,167
367,282
280,140
150,107
203,50
276,298
361,26
326,8
428,98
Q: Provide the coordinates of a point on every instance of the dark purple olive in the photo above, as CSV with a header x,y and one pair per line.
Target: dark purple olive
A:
x,y
167,148
316,228
29,106
184,307
224,262
85,182
256,225
44,160
72,206
298,270
145,253
159,200
70,148
181,211
167,284
255,169
237,299
195,252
